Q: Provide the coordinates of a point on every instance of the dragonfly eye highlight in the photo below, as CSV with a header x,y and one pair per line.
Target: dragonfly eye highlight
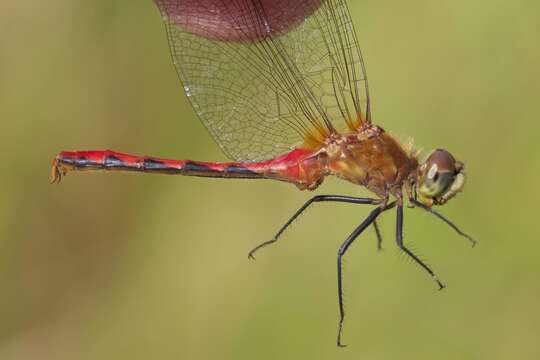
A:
x,y
441,177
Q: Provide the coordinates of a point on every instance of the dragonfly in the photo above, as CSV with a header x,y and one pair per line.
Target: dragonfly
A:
x,y
281,86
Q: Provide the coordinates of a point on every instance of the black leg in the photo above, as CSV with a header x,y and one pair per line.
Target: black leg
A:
x,y
342,249
318,198
440,216
399,240
378,234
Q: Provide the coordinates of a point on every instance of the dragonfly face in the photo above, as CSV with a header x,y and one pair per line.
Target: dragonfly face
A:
x,y
440,178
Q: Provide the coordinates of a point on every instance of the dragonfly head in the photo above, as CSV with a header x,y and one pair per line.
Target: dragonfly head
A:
x,y
439,178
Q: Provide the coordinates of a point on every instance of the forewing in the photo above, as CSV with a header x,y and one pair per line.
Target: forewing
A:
x,y
266,76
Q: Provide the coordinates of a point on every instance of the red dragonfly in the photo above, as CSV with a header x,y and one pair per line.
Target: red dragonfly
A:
x,y
281,86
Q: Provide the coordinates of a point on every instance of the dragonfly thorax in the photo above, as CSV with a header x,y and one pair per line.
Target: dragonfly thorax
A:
x,y
372,158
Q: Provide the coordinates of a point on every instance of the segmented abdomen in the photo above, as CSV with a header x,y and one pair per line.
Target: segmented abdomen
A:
x,y
290,167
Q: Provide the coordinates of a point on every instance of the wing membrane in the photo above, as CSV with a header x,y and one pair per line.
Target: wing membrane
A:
x,y
265,76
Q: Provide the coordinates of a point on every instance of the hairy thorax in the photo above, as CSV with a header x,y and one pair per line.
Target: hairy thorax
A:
x,y
371,158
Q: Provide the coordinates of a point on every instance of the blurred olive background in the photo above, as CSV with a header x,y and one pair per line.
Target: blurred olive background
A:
x,y
125,266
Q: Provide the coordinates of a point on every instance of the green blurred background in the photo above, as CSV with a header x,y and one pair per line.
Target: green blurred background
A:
x,y
124,266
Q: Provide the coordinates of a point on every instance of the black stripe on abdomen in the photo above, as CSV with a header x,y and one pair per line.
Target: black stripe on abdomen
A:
x,y
232,171
80,162
241,172
112,162
193,167
156,165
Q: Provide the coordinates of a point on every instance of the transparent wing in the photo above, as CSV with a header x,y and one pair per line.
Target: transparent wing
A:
x,y
265,76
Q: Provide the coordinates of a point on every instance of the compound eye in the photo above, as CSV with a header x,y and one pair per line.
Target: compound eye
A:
x,y
440,171
437,181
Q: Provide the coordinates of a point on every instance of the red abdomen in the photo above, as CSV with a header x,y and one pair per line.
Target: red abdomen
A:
x,y
299,166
